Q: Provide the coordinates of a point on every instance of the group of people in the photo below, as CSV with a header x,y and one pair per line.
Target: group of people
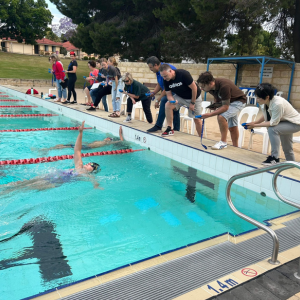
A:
x,y
177,88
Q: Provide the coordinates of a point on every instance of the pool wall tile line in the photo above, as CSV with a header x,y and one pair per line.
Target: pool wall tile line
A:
x,y
199,159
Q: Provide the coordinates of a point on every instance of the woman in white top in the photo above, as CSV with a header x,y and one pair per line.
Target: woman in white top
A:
x,y
281,119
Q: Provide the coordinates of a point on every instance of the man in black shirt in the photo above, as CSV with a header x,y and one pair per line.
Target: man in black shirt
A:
x,y
186,93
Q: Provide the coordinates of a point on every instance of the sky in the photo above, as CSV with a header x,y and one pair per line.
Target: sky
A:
x,y
55,13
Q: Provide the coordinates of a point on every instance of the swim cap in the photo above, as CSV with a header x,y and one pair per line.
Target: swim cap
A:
x,y
95,166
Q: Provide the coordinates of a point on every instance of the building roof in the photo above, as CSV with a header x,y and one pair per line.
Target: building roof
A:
x,y
69,46
48,42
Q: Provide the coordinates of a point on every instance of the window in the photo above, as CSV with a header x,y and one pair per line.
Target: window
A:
x,y
53,48
46,48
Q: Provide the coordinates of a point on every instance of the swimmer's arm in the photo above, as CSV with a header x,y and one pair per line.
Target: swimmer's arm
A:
x,y
95,183
121,133
77,148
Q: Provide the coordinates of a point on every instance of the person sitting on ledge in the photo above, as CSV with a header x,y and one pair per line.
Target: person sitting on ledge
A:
x,y
137,92
281,119
92,145
231,101
91,79
54,179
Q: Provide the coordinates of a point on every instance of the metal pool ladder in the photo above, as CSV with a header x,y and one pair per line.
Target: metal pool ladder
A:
x,y
280,167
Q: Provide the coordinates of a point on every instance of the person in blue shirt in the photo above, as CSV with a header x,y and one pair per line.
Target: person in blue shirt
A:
x,y
154,63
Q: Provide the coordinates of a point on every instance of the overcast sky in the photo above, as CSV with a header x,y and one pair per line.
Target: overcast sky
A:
x,y
55,13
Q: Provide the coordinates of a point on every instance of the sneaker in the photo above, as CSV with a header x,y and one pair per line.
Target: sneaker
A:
x,y
154,129
73,102
219,146
168,131
128,119
271,160
91,108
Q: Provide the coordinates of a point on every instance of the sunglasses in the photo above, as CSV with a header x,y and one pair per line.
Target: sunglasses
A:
x,y
126,81
260,87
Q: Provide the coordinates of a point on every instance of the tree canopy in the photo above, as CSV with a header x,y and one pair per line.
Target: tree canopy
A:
x,y
181,29
24,20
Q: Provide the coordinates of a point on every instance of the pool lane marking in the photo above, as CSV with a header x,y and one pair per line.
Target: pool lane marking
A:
x,y
43,129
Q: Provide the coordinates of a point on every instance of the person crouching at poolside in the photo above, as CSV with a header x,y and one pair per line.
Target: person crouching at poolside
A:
x,y
180,83
137,92
281,120
231,99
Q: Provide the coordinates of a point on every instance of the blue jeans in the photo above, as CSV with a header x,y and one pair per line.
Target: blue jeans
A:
x,y
162,115
94,93
61,92
116,95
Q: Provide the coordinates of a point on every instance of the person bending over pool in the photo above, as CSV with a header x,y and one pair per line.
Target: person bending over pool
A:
x,y
95,144
80,172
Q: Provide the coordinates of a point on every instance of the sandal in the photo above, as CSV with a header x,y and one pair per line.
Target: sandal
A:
x,y
115,115
112,115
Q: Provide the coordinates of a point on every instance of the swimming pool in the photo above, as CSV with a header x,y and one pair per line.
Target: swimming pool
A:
x,y
150,204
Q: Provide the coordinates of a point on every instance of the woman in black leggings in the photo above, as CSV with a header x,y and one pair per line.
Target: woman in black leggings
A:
x,y
72,68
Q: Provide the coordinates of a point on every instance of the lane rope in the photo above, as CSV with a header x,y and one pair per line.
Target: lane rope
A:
x,y
28,116
43,129
10,106
11,100
63,157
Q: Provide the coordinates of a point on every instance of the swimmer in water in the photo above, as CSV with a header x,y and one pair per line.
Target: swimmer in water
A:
x,y
80,172
95,144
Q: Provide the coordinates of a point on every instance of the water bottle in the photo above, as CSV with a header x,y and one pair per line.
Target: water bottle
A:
x,y
31,91
42,95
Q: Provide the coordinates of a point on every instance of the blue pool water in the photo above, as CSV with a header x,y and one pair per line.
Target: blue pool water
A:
x,y
148,204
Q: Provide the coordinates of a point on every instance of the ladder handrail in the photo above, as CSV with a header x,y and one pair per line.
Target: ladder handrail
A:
x,y
289,164
280,167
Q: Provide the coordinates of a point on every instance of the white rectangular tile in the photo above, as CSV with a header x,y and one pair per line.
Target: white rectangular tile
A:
x,y
219,164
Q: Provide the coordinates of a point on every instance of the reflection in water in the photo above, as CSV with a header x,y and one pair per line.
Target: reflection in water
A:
x,y
192,177
46,248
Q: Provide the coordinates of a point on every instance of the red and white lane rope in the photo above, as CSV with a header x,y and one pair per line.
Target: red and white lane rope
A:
x,y
42,129
28,116
63,157
16,106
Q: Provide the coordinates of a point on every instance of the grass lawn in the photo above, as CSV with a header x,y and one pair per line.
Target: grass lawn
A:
x,y
21,66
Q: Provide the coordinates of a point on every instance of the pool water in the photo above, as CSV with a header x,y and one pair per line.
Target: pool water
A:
x,y
148,204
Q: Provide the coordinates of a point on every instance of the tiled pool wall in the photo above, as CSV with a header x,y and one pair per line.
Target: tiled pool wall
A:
x,y
212,164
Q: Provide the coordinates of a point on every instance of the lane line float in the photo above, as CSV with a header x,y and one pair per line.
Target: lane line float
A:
x,y
10,106
27,116
63,157
42,129
10,100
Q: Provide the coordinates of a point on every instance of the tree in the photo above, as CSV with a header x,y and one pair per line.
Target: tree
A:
x,y
52,36
65,29
177,29
24,20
